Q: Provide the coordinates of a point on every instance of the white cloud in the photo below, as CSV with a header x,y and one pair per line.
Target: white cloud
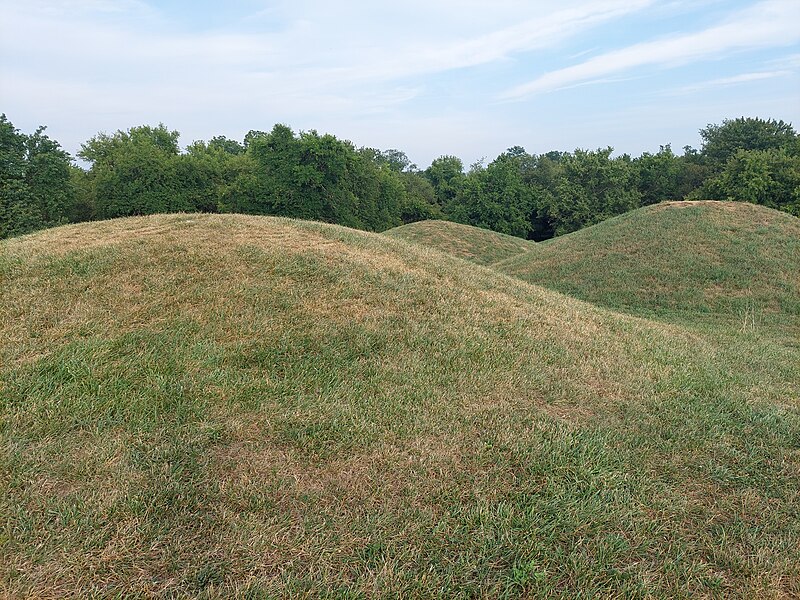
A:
x,y
418,75
64,8
316,58
729,81
542,31
323,43
766,24
788,62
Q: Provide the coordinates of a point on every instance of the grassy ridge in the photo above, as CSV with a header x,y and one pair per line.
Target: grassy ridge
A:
x,y
226,406
474,244
718,258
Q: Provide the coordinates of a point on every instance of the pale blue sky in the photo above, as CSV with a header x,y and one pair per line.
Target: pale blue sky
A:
x,y
429,77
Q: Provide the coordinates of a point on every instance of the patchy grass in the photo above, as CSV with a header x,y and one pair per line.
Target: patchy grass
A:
x,y
729,262
474,244
230,406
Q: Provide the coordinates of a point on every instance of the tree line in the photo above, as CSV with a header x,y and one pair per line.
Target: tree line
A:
x,y
319,177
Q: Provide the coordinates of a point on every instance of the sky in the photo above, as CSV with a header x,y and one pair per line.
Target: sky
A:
x,y
429,77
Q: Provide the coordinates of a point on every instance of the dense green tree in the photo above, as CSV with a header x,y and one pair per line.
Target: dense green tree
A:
x,y
47,177
228,146
384,212
104,148
542,174
287,180
591,187
396,160
35,188
768,177
202,173
313,176
239,193
496,197
14,203
419,201
324,186
319,177
693,172
446,174
751,159
721,142
315,186
82,208
135,172
659,175
254,134
415,196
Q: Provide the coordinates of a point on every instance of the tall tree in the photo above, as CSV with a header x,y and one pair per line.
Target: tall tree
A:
x,y
396,160
542,175
497,197
135,172
319,177
228,146
446,174
659,175
590,188
419,202
767,177
35,188
202,172
721,142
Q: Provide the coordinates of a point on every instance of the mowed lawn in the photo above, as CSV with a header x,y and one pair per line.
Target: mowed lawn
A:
x,y
686,261
474,244
252,407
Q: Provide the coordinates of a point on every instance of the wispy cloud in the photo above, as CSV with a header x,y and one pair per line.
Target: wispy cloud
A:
x,y
789,62
766,24
422,75
729,81
307,55
530,34
388,51
71,7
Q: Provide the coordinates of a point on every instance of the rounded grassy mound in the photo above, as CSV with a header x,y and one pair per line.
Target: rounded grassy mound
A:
x,y
698,257
231,406
474,244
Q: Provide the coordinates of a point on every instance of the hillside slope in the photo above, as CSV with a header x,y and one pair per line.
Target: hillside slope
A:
x,y
698,257
230,406
474,244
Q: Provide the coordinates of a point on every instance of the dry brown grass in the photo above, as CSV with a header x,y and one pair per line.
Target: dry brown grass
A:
x,y
220,405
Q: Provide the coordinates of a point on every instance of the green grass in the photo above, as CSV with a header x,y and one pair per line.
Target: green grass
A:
x,y
722,261
474,244
230,406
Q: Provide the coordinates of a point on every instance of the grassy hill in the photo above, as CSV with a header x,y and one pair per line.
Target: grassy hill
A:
x,y
231,406
717,258
474,244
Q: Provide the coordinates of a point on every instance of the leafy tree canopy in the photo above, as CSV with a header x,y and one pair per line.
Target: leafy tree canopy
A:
x,y
35,188
446,174
721,142
312,176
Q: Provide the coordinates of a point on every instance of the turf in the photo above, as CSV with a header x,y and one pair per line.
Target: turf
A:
x,y
474,244
680,260
229,406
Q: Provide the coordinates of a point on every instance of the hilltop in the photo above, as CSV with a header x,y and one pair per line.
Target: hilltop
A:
x,y
237,406
704,257
474,244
